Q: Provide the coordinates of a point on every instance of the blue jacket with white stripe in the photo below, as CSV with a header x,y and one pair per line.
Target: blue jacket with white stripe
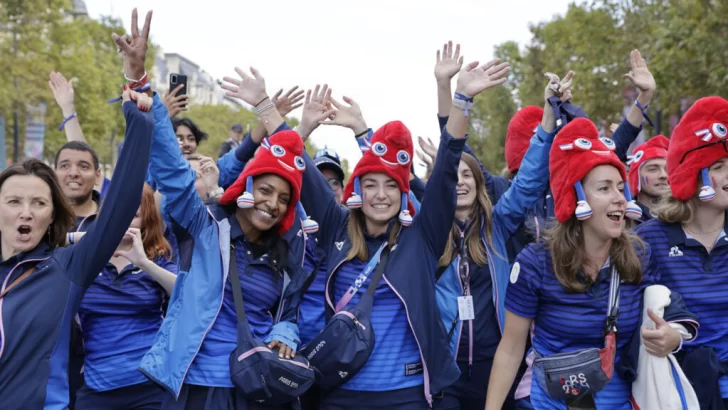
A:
x,y
204,248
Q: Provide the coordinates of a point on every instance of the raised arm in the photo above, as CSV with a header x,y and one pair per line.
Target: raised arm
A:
x,y
438,211
630,128
93,251
532,179
231,164
63,93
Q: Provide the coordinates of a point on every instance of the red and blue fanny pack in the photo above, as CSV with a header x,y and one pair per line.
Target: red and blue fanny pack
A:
x,y
570,376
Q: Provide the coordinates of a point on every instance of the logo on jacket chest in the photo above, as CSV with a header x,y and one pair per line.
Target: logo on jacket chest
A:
x,y
339,245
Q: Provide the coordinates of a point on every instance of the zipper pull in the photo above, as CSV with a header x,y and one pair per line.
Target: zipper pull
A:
x,y
470,369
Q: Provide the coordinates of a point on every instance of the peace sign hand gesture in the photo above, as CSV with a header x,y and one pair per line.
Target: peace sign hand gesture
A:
x,y
134,48
473,79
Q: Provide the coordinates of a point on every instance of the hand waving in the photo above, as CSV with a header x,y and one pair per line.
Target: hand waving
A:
x,y
640,75
63,92
134,48
349,117
448,64
249,89
473,80
289,101
315,110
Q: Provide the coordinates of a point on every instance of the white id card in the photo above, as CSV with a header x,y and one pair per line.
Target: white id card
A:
x,y
465,308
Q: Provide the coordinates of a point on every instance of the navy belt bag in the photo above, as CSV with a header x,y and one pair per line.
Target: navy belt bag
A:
x,y
255,369
344,345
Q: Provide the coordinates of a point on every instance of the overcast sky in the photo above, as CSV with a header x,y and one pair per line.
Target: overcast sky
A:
x,y
381,53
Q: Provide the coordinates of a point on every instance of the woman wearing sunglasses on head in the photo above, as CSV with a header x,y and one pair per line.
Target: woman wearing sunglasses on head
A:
x,y
579,292
689,243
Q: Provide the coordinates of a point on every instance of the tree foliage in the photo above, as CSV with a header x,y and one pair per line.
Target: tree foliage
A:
x,y
685,43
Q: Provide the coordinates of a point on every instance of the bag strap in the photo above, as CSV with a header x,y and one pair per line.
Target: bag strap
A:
x,y
243,326
613,307
16,281
372,265
379,272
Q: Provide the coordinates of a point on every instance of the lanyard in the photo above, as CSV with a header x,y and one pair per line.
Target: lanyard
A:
x,y
371,265
613,309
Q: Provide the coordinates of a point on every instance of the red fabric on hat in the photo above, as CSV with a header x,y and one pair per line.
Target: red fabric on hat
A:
x,y
264,162
569,166
655,147
520,131
396,137
689,134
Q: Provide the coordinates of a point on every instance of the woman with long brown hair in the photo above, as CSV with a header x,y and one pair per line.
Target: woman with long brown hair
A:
x,y
579,293
122,312
473,271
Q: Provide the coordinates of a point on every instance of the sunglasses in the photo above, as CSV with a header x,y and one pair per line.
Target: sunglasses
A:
x,y
722,142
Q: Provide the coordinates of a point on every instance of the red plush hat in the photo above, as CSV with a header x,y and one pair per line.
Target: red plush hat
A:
x,y
576,150
655,147
391,154
278,155
697,141
520,130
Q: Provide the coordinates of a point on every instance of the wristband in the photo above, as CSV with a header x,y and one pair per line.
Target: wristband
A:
x,y
137,83
216,193
462,102
265,108
261,101
65,120
361,134
644,112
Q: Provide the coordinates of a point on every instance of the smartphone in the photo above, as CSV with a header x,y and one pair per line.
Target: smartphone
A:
x,y
177,79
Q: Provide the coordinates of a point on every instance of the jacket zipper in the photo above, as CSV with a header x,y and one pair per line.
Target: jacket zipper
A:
x,y
428,395
222,299
5,283
573,366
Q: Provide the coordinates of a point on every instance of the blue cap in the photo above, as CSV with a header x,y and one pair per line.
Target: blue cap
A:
x,y
237,127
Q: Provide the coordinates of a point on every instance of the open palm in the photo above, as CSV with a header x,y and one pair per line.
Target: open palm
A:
x,y
448,63
640,75
473,80
250,89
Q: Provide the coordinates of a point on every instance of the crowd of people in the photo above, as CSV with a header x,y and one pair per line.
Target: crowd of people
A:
x,y
267,279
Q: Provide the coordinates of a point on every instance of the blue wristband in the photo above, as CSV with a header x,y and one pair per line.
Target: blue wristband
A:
x,y
467,100
644,112
65,120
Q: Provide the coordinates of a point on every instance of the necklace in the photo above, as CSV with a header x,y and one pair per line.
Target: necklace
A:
x,y
702,233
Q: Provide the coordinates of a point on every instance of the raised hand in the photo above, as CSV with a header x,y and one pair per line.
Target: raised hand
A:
x,y
557,87
640,76
448,63
347,116
62,90
289,101
315,110
175,102
135,48
473,80
249,89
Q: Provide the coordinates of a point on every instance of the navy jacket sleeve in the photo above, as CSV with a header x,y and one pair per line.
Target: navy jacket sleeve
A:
x,y
623,137
496,185
89,256
418,188
437,214
231,164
